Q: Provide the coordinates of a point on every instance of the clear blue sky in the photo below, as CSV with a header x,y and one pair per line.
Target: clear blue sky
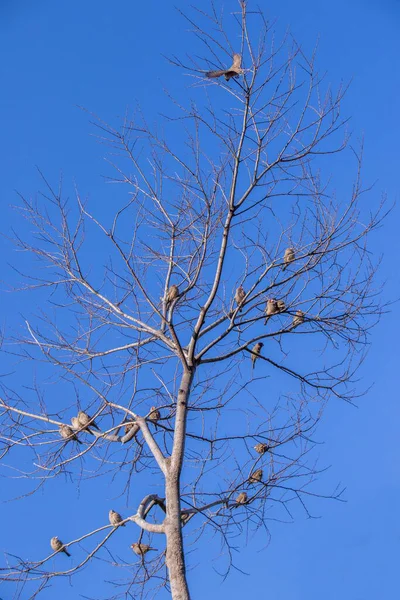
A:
x,y
107,56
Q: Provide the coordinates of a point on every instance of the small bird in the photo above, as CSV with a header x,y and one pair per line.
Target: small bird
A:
x,y
281,306
239,296
154,414
242,498
288,257
67,433
58,546
298,318
256,476
84,420
141,549
172,294
128,427
261,448
255,353
75,423
115,518
271,308
233,71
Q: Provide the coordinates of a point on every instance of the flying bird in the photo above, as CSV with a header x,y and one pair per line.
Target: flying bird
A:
x,y
239,296
288,257
141,549
255,353
85,420
115,518
58,546
298,318
261,448
234,70
242,498
256,476
67,433
154,414
172,294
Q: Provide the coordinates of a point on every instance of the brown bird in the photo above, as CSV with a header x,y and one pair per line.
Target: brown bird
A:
x,y
154,414
298,318
172,294
271,308
242,498
233,71
255,353
84,420
261,448
58,546
239,296
256,476
115,518
75,423
288,257
67,433
281,306
141,549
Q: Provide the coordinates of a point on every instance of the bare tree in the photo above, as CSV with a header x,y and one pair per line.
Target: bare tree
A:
x,y
230,262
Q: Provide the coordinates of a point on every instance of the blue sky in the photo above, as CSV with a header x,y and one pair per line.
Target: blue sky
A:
x,y
107,57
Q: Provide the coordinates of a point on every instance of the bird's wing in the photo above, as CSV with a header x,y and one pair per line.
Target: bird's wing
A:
x,y
237,61
212,74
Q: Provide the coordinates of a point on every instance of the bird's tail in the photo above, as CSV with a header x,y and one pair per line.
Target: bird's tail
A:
x,y
66,552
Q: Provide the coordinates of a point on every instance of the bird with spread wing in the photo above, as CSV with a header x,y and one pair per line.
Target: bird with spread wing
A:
x,y
234,70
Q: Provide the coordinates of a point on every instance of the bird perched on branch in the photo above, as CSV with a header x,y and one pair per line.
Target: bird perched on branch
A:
x,y
141,549
84,420
261,448
75,423
115,518
172,294
154,414
242,498
255,353
298,318
58,546
233,71
288,257
239,296
67,433
256,476
281,306
271,308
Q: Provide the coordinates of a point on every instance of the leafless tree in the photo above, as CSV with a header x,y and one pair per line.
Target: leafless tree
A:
x,y
232,194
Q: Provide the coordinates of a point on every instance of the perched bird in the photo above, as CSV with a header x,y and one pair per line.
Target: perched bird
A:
x,y
141,549
242,498
255,353
233,71
298,318
58,546
261,448
154,414
67,433
172,294
84,420
271,308
75,423
239,296
115,518
288,257
281,306
256,476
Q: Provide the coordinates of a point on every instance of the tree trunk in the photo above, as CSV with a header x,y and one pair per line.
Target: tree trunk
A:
x,y
173,526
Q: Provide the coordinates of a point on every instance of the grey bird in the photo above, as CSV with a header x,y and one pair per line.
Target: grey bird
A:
x,y
115,519
85,420
261,448
255,353
298,318
58,546
242,498
239,296
67,433
172,294
141,549
154,414
288,257
234,70
256,476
